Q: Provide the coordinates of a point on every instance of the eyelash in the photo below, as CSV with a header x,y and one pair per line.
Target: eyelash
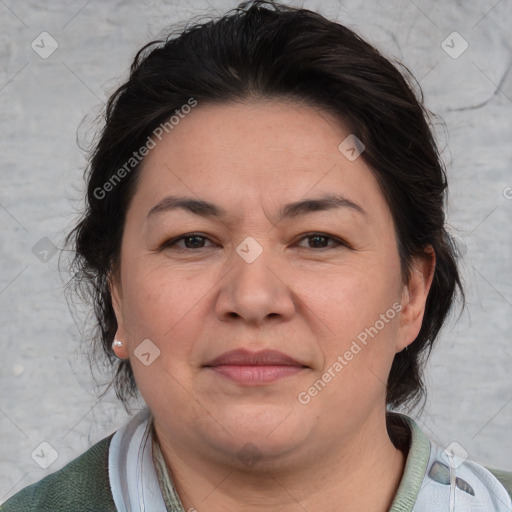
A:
x,y
173,241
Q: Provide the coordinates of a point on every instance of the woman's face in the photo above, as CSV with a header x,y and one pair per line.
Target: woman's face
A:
x,y
254,278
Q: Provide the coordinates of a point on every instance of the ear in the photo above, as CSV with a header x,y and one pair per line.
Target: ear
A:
x,y
116,295
414,297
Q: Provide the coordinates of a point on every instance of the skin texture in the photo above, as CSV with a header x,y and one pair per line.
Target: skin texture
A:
x,y
307,298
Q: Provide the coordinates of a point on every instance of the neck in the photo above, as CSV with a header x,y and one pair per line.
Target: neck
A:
x,y
363,474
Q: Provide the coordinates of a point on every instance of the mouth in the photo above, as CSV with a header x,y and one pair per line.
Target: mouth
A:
x,y
255,368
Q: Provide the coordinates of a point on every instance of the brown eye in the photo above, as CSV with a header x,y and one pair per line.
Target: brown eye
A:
x,y
320,241
191,240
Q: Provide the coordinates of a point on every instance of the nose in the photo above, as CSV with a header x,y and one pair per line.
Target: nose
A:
x,y
255,290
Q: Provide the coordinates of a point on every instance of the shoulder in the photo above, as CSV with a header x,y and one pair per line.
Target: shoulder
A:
x,y
503,477
481,486
82,486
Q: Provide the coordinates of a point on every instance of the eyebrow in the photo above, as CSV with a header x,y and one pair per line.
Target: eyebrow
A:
x,y
207,209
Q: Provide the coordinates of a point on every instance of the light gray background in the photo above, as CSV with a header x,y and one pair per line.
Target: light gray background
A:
x,y
47,393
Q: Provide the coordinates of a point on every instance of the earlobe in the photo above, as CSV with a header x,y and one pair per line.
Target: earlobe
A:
x,y
119,349
414,297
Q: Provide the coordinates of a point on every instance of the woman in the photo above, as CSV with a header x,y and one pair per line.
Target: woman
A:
x,y
264,243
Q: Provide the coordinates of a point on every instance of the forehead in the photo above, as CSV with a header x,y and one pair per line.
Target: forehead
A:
x,y
270,151
266,130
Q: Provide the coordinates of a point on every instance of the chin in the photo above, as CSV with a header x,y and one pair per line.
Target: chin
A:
x,y
272,432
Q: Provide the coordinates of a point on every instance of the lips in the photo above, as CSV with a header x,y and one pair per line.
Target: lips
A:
x,y
243,357
254,368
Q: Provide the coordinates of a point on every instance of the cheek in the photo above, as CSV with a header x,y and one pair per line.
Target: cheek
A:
x,y
155,303
168,307
350,297
360,323
160,310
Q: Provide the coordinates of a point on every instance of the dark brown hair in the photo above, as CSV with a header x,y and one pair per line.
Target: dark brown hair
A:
x,y
266,50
